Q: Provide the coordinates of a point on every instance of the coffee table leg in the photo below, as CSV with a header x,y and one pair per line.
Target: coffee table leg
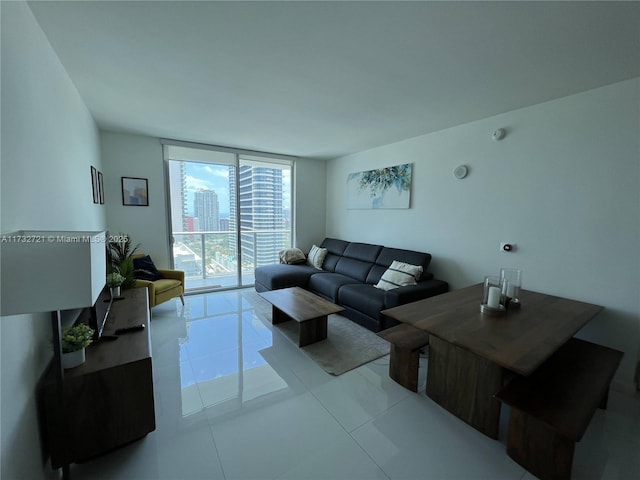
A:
x,y
312,331
278,316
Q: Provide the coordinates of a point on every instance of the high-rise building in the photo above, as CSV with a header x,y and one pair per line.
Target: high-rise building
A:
x,y
207,210
262,218
178,188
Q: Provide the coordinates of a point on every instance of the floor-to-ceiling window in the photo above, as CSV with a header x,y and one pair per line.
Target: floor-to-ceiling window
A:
x,y
230,211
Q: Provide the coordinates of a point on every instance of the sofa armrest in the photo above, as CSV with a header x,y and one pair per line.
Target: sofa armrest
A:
x,y
172,274
413,293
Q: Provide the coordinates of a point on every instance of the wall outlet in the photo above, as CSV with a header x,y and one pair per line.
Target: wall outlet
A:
x,y
507,247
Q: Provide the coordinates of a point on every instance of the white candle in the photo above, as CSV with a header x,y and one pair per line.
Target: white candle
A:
x,y
510,289
494,297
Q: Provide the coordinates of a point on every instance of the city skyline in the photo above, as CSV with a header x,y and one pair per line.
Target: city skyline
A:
x,y
202,176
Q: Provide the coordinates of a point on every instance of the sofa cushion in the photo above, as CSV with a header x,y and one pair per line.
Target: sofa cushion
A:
x,y
399,274
357,260
292,256
356,269
316,257
388,255
335,249
327,284
362,251
363,298
281,275
145,269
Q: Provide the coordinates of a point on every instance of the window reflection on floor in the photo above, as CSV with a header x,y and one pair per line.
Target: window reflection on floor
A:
x,y
221,359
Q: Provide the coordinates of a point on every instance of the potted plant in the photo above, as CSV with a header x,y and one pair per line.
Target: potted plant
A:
x,y
74,340
114,282
120,251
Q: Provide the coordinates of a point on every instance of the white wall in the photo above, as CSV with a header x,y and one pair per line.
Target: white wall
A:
x,y
141,156
564,185
128,155
310,202
49,142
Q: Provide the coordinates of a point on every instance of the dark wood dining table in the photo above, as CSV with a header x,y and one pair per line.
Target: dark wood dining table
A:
x,y
471,353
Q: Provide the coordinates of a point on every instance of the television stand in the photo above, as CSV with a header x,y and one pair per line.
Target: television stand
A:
x,y
109,398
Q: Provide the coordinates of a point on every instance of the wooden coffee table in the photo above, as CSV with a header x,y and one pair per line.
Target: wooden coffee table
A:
x,y
306,308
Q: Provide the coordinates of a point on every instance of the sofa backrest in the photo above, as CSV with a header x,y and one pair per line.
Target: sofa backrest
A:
x,y
357,260
388,255
335,249
366,262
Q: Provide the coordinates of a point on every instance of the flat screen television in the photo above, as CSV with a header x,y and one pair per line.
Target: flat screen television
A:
x,y
99,313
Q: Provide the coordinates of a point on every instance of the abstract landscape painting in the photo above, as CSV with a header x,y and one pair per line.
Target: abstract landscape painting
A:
x,y
388,187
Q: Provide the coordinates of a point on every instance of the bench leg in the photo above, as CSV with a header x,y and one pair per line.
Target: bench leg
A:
x,y
539,448
403,367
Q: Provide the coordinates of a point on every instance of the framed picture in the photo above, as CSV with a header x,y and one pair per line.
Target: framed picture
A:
x,y
135,192
100,188
94,184
388,187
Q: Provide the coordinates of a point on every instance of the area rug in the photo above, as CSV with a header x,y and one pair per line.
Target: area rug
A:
x,y
348,345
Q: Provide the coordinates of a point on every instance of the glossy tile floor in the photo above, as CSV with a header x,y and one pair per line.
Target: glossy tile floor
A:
x,y
236,400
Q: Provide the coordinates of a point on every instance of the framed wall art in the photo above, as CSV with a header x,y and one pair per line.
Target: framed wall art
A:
x,y
94,184
135,192
100,188
388,187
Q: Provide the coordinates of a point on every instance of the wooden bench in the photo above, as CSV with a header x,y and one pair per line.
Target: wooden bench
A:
x,y
552,407
406,342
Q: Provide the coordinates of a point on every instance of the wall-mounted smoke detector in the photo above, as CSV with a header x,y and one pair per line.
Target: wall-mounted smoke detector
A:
x,y
499,134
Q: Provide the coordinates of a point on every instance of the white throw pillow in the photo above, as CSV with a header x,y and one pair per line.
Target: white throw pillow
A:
x,y
399,274
316,256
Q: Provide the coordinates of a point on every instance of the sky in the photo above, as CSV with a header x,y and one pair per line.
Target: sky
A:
x,y
201,176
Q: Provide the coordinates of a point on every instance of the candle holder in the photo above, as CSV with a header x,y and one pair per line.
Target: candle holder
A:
x,y
493,296
513,277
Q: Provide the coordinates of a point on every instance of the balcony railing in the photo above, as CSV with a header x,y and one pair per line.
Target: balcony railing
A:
x,y
210,258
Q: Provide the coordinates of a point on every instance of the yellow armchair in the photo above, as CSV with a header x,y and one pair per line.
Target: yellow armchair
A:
x,y
171,285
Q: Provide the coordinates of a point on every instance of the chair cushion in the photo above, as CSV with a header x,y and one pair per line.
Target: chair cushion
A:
x,y
165,284
144,269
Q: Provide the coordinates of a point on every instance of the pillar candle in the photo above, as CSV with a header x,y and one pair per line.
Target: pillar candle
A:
x,y
494,297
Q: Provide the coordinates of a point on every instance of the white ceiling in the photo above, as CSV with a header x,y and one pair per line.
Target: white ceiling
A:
x,y
323,79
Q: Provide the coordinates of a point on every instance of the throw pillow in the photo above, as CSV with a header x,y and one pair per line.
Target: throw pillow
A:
x,y
144,269
399,274
291,256
316,256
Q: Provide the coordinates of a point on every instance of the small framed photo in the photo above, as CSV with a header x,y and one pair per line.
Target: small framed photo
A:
x,y
94,184
100,188
135,192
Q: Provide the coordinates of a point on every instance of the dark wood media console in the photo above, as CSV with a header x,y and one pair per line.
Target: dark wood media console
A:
x,y
109,399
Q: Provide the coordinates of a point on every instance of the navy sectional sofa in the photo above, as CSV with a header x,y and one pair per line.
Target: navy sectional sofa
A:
x,y
349,272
